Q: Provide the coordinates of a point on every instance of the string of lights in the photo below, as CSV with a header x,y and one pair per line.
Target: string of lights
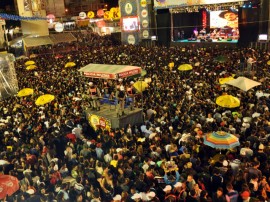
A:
x,y
19,18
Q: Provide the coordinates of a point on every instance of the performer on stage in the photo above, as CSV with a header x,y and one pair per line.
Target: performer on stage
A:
x,y
94,93
195,32
121,96
131,94
203,31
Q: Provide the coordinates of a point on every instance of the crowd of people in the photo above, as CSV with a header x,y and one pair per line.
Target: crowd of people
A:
x,y
57,156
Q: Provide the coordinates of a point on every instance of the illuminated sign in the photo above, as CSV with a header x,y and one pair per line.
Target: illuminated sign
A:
x,y
98,121
130,24
144,13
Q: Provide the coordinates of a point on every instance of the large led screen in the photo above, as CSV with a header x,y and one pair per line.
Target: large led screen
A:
x,y
224,19
130,24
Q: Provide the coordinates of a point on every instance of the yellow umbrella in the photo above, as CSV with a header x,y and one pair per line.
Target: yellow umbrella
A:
x,y
185,67
44,99
70,64
140,86
30,62
31,67
25,92
225,80
228,101
171,65
268,62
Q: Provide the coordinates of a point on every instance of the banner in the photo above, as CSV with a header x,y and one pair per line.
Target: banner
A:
x,y
179,3
99,121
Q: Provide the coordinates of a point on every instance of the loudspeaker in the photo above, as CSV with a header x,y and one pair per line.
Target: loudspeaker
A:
x,y
202,40
209,40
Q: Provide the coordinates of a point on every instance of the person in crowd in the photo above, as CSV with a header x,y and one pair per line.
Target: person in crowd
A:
x,y
232,195
219,195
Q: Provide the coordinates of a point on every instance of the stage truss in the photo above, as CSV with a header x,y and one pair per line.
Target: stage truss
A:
x,y
208,7
8,79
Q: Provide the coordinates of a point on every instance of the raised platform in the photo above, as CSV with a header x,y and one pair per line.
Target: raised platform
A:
x,y
203,44
106,117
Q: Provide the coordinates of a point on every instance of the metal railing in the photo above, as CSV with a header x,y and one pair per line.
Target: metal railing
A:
x,y
260,45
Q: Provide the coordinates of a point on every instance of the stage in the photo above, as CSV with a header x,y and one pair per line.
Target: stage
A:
x,y
204,44
107,118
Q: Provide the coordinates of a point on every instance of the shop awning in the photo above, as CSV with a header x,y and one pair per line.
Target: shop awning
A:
x,y
62,38
37,41
107,71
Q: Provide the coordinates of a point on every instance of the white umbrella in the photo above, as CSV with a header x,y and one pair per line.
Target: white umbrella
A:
x,y
4,162
243,83
256,114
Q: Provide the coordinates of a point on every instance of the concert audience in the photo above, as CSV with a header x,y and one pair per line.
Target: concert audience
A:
x,y
57,156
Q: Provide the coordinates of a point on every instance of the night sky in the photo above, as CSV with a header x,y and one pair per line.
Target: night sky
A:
x,y
112,3
4,3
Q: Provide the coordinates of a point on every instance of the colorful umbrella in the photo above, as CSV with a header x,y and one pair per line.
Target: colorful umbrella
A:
x,y
185,67
221,140
228,101
25,92
8,185
243,83
140,86
44,99
70,64
225,80
30,62
31,67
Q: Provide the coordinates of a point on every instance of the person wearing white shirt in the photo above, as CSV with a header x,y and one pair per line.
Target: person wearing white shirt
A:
x,y
210,118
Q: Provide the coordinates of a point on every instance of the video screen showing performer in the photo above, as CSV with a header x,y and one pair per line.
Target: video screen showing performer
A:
x,y
224,23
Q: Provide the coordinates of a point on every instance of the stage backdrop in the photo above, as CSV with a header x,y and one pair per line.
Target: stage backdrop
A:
x,y
248,25
185,23
163,27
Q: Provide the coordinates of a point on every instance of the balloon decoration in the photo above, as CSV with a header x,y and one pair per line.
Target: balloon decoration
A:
x,y
113,14
19,18
107,15
90,14
50,18
100,13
